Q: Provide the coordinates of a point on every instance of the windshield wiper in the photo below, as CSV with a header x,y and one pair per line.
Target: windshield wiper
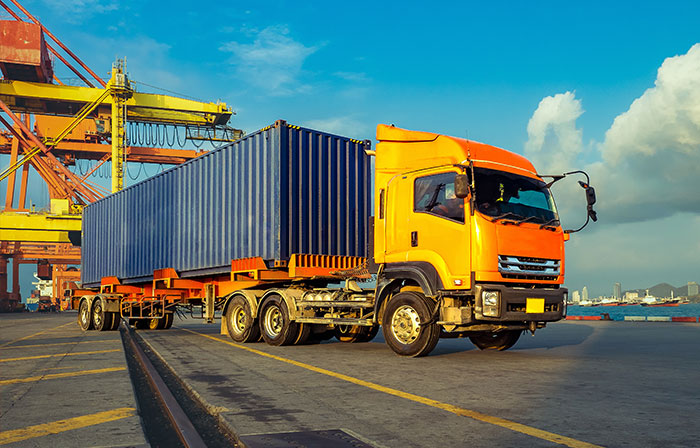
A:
x,y
506,216
528,219
549,223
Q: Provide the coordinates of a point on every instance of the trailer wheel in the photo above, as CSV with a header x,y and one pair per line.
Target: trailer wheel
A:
x,y
84,316
275,326
156,324
355,333
141,324
101,319
169,317
370,333
304,334
241,322
500,340
116,319
404,325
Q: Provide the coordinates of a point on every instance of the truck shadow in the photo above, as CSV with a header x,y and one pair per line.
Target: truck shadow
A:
x,y
573,336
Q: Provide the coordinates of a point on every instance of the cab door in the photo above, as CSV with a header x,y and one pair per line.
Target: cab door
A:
x,y
438,226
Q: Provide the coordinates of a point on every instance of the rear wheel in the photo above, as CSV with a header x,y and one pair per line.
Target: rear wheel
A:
x,y
370,333
355,333
141,324
275,325
404,325
84,316
501,340
156,324
241,322
101,319
116,319
169,317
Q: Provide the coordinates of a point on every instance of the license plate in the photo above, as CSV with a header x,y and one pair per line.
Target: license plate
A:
x,y
534,306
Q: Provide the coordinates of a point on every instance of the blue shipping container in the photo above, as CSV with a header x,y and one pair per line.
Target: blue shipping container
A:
x,y
279,191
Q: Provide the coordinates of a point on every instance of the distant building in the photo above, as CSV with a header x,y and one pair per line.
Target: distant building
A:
x,y
584,294
693,289
576,297
631,295
617,291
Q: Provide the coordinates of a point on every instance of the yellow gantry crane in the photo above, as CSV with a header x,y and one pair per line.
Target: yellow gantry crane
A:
x,y
70,124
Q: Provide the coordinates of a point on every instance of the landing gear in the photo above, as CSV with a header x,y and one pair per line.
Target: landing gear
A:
x,y
405,326
501,340
241,322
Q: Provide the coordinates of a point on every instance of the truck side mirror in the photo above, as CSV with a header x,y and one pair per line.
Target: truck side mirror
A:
x,y
461,186
590,199
590,192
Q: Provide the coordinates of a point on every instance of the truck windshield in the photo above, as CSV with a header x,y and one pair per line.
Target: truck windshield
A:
x,y
503,195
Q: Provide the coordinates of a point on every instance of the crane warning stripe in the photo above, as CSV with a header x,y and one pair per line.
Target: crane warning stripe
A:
x,y
45,429
508,424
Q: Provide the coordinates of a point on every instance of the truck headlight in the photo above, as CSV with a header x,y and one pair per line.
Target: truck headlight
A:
x,y
490,301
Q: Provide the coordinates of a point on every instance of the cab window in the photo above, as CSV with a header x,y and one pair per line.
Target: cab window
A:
x,y
435,195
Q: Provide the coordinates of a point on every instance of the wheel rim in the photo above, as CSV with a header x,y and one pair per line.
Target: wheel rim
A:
x,y
405,324
238,319
84,314
273,321
97,314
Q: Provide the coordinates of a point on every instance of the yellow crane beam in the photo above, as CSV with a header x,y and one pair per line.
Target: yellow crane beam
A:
x,y
40,98
38,227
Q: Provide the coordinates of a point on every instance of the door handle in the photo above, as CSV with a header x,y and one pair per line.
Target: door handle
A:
x,y
414,239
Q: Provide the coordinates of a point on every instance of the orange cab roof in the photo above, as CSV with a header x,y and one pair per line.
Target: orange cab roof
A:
x,y
481,154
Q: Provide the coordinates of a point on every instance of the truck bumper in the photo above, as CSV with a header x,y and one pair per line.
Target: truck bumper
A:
x,y
519,304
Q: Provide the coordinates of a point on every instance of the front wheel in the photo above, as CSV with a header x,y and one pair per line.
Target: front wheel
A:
x,y
241,322
501,340
404,325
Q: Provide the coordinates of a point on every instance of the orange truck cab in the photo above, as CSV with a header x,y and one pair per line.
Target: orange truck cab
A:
x,y
468,233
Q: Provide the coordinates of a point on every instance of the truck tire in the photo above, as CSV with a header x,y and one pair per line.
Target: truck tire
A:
x,y
369,334
355,333
240,321
84,316
101,320
156,324
169,318
499,340
275,325
116,320
401,325
304,334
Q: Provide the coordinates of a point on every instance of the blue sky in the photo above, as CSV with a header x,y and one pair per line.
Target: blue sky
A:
x,y
485,69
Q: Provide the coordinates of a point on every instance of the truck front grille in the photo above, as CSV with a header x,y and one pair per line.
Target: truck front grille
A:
x,y
528,268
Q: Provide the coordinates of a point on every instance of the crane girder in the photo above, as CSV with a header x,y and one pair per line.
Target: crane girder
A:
x,y
41,98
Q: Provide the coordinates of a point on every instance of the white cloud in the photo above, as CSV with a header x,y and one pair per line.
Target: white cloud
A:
x,y
273,61
554,141
650,155
78,11
344,126
352,76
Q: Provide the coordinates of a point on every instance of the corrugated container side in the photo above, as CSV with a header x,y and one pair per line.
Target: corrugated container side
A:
x,y
279,191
